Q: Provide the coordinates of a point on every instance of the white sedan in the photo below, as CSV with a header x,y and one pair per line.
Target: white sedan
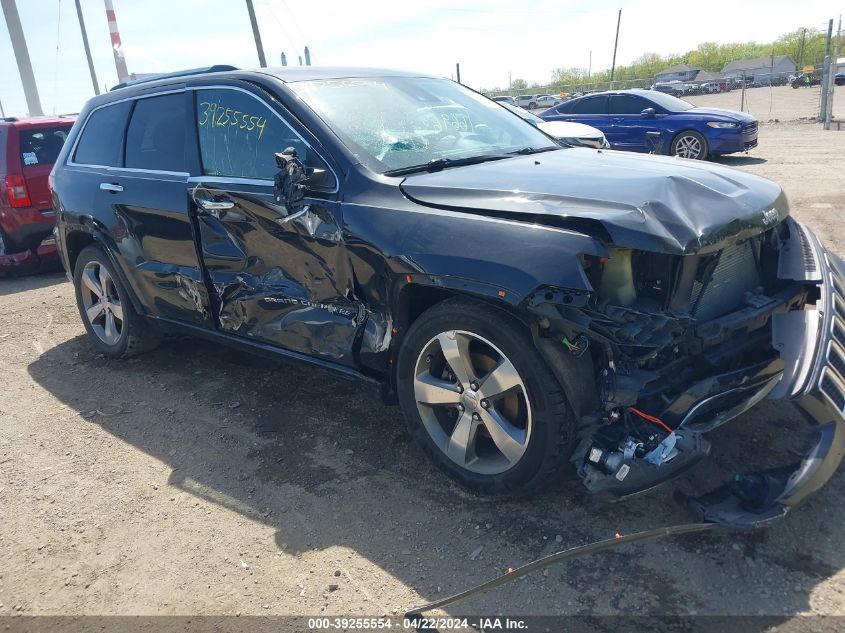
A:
x,y
567,132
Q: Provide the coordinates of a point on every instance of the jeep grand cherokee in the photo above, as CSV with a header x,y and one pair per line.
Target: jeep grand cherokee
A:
x,y
528,305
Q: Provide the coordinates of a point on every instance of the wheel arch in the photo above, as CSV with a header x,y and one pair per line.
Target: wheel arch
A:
x,y
80,237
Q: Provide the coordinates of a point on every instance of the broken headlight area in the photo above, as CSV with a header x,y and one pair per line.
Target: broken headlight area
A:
x,y
679,345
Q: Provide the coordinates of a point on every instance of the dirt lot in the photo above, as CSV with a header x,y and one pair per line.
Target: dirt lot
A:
x,y
194,481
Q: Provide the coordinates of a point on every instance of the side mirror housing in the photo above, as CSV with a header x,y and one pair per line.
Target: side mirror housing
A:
x,y
290,181
293,179
648,113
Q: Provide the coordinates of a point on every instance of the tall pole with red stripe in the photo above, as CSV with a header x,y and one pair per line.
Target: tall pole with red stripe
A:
x,y
117,47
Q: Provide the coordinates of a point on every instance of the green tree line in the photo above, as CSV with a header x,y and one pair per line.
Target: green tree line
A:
x,y
708,55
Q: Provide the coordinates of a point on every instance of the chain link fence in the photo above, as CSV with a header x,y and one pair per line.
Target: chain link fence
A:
x,y
770,97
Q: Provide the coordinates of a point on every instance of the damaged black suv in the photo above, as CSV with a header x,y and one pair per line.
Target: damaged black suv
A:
x,y
528,305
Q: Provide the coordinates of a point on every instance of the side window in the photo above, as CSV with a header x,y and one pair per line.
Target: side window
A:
x,y
564,108
102,136
156,135
628,104
239,135
590,105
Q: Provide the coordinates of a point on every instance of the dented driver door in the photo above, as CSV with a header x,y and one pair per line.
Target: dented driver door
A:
x,y
279,275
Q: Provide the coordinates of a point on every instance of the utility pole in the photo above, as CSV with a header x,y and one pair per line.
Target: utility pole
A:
x,y
831,84
615,45
261,60
2,111
30,90
307,57
458,71
284,59
87,48
827,67
801,48
829,36
116,44
590,66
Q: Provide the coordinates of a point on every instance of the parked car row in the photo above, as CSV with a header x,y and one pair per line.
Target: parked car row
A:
x,y
531,102
679,88
531,307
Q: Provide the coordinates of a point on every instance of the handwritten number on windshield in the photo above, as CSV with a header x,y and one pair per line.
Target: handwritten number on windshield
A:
x,y
215,115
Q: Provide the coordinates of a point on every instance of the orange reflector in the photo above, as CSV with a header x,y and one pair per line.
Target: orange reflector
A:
x,y
501,293
408,278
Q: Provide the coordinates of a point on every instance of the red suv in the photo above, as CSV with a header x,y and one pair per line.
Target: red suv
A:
x,y
28,149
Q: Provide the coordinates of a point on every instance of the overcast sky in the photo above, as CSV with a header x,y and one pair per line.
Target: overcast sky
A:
x,y
490,38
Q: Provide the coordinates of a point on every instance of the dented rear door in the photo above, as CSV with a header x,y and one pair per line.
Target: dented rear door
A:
x,y
278,275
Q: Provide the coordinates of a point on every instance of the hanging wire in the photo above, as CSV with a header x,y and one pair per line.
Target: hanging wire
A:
x,y
295,23
56,64
279,22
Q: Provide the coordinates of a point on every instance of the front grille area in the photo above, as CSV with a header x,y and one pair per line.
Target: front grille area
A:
x,y
832,383
806,251
735,274
750,128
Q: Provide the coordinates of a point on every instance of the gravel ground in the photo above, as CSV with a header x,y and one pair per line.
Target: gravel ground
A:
x,y
192,480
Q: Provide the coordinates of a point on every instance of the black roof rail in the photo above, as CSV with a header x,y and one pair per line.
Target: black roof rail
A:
x,y
217,68
10,119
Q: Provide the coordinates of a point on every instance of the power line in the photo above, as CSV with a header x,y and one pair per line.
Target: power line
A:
x,y
281,26
295,23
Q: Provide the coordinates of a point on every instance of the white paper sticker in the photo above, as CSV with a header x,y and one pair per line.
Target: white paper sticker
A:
x,y
29,158
623,472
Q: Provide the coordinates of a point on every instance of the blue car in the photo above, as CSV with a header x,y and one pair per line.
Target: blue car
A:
x,y
651,121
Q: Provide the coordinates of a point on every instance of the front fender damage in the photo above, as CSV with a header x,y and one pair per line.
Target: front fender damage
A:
x,y
665,375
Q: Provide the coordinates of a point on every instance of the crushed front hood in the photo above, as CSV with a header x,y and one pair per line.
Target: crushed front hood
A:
x,y
652,203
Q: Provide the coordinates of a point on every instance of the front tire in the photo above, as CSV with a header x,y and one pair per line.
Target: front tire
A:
x,y
690,144
114,327
481,401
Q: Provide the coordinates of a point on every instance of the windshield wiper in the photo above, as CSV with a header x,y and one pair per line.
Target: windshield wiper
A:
x,y
442,163
534,150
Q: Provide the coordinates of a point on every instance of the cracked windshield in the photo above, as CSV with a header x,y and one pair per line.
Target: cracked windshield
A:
x,y
401,122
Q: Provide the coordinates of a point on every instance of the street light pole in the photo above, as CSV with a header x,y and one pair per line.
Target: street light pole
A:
x,y
615,46
87,48
257,35
30,90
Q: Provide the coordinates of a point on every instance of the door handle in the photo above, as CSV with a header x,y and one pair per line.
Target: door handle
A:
x,y
215,205
111,187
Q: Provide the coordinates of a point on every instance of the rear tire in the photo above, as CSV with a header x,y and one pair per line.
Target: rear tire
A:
x,y
114,327
506,428
7,246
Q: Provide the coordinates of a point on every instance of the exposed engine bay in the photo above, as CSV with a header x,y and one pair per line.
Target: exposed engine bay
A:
x,y
678,345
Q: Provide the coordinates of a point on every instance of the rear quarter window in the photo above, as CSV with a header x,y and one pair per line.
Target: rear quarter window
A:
x,y
41,146
102,136
589,105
